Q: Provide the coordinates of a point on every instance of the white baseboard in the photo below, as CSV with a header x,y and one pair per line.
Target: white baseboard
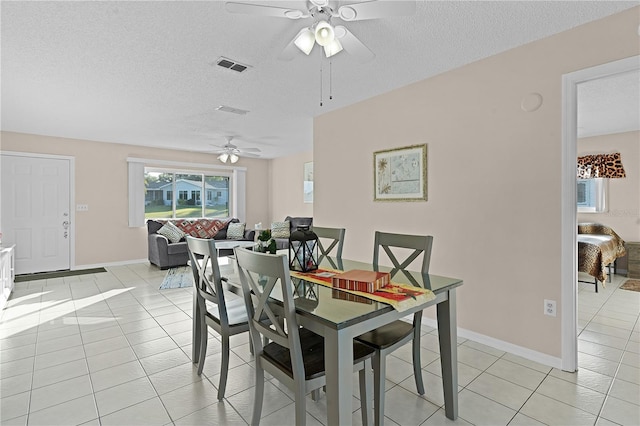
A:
x,y
100,265
527,353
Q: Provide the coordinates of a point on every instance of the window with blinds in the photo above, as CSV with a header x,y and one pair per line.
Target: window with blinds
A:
x,y
591,195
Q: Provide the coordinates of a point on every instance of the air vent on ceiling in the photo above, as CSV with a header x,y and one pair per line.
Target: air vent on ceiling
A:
x,y
232,110
232,65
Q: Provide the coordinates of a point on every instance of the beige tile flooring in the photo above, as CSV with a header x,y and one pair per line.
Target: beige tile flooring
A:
x,y
112,349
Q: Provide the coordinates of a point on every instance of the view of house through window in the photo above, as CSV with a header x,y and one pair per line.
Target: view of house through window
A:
x,y
196,195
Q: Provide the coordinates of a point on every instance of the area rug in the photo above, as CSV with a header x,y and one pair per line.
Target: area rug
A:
x,y
633,285
56,274
179,277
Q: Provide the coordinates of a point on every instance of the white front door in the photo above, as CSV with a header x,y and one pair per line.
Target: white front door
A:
x,y
36,212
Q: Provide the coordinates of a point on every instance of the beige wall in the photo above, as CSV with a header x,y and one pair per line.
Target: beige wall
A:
x,y
102,233
287,188
494,177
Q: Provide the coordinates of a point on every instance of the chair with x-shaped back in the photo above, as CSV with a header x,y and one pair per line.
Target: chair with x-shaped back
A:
x,y
294,355
329,239
213,306
390,337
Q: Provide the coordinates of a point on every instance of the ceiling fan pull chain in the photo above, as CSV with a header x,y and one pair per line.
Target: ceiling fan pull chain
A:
x,y
320,80
330,79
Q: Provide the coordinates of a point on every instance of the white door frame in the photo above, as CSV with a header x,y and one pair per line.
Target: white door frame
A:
x,y
569,262
72,196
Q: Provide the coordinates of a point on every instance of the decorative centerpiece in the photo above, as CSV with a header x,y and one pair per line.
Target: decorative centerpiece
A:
x,y
266,244
303,250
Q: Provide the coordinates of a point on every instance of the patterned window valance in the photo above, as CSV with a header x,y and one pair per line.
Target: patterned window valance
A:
x,y
600,166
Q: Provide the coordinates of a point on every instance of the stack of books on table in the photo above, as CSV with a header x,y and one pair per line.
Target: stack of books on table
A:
x,y
359,280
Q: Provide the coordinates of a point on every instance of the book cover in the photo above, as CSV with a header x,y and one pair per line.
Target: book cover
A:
x,y
360,280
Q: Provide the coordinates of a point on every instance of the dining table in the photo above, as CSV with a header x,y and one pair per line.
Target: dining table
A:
x,y
339,317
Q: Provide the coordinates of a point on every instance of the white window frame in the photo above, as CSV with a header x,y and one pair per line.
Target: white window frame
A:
x,y
137,166
596,198
195,194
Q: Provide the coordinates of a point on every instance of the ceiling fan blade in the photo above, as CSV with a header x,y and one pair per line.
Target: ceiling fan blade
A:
x,y
352,45
247,154
250,150
376,9
257,9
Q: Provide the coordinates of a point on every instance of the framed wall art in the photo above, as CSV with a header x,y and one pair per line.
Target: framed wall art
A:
x,y
308,182
400,174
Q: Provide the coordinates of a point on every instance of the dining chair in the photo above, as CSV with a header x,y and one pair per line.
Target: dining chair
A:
x,y
328,239
390,337
214,307
294,355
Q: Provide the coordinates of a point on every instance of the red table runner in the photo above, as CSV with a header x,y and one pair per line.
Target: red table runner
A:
x,y
401,296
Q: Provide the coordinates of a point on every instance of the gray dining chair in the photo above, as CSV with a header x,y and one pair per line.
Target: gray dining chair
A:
x,y
390,337
328,240
294,355
214,307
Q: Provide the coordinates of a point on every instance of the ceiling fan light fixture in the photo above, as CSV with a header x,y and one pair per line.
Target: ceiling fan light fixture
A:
x,y
233,158
340,31
324,33
223,157
305,40
332,48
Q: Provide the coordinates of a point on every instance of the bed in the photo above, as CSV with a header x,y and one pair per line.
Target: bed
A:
x,y
598,248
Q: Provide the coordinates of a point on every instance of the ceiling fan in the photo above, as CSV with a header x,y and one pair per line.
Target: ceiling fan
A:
x,y
230,152
333,38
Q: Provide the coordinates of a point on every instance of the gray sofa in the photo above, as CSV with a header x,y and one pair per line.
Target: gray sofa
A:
x,y
165,254
294,222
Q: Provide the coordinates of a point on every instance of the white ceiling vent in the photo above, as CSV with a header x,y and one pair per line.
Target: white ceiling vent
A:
x,y
232,110
230,64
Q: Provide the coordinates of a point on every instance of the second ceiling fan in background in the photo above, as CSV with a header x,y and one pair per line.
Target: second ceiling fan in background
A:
x,y
230,152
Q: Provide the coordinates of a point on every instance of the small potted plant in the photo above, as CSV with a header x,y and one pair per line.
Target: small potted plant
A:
x,y
266,244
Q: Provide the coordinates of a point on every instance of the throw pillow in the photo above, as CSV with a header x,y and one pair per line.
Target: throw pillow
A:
x,y
153,226
215,226
235,231
172,232
280,229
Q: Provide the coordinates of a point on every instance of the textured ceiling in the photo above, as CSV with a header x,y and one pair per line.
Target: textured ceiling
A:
x,y
609,105
144,73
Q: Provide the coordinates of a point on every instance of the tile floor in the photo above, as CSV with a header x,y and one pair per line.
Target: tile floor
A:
x,y
112,349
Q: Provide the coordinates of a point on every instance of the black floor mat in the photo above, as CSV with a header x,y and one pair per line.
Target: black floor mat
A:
x,y
56,274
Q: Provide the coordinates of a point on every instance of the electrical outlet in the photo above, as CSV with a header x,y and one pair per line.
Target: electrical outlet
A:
x,y
550,307
82,207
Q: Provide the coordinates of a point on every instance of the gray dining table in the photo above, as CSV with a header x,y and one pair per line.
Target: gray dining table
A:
x,y
340,318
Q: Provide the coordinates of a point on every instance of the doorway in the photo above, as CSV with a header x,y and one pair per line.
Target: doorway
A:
x,y
569,313
36,211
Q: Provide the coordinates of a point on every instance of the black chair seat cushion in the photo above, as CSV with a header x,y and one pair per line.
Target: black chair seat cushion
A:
x,y
312,354
387,335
